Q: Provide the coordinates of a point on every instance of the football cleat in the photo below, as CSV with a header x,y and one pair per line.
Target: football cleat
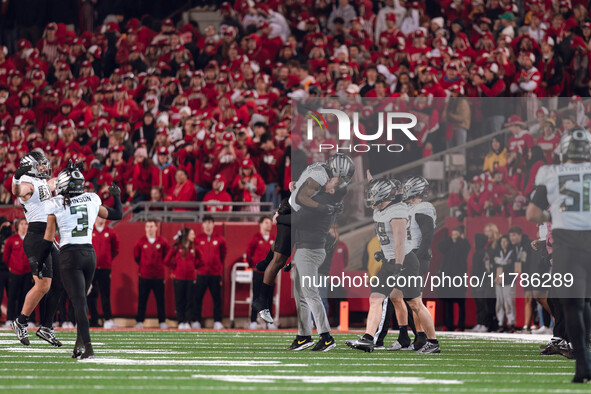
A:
x,y
349,342
363,344
324,345
21,332
265,314
566,350
429,348
581,379
398,346
287,267
553,347
48,335
88,352
300,343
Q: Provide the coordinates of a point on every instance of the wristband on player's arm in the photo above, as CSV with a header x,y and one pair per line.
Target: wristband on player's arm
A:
x,y
115,213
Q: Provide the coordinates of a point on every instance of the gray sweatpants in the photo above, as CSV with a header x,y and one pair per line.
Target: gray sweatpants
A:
x,y
307,297
505,307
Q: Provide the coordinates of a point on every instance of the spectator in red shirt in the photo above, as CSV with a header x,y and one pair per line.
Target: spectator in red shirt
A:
x,y
106,245
258,247
183,259
521,140
149,253
20,280
248,186
184,190
218,194
163,173
549,140
212,251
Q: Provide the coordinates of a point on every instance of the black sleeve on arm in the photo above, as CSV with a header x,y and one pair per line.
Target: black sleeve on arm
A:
x,y
115,213
540,197
284,219
427,228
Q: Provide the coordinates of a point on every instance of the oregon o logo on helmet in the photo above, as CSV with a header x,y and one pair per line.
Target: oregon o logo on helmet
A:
x,y
345,134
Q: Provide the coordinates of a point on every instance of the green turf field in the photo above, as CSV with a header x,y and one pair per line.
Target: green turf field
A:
x,y
232,361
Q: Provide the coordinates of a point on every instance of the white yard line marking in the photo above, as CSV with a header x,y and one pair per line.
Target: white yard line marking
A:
x,y
327,379
236,363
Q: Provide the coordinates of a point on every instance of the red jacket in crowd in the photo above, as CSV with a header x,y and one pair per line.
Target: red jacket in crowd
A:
x,y
150,257
521,143
212,251
15,257
222,196
164,177
258,248
106,246
184,267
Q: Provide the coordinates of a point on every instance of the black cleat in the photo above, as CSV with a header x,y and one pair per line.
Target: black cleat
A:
x,y
324,345
553,348
566,350
301,343
429,348
77,352
581,379
287,267
48,335
21,332
362,344
88,352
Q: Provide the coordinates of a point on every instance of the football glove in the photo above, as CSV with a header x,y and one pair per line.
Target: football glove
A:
x,y
114,190
22,170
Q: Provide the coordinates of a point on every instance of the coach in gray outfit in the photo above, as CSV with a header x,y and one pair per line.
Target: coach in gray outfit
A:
x,y
311,234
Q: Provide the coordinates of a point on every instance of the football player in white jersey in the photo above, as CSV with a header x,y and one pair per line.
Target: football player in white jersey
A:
x,y
562,197
32,187
422,228
74,212
391,218
338,171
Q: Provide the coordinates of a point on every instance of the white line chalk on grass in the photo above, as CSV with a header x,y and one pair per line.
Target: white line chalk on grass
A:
x,y
222,363
327,379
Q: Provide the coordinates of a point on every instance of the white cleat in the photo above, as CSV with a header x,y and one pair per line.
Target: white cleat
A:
x,y
253,325
218,325
163,326
139,325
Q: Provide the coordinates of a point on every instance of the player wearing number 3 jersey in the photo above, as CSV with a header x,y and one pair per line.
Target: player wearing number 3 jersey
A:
x,y
565,190
74,212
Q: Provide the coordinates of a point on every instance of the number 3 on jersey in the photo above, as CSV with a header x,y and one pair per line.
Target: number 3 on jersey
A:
x,y
82,229
572,202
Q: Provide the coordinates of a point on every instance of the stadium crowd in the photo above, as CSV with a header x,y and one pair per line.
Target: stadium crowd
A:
x,y
167,110
177,112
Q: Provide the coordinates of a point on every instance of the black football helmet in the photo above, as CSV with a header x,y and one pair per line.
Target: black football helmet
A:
x,y
69,183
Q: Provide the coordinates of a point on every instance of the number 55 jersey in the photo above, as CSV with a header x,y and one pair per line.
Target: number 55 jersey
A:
x,y
75,220
567,189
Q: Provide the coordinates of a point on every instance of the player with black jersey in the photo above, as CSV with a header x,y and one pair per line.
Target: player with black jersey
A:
x,y
339,168
74,212
32,187
564,190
